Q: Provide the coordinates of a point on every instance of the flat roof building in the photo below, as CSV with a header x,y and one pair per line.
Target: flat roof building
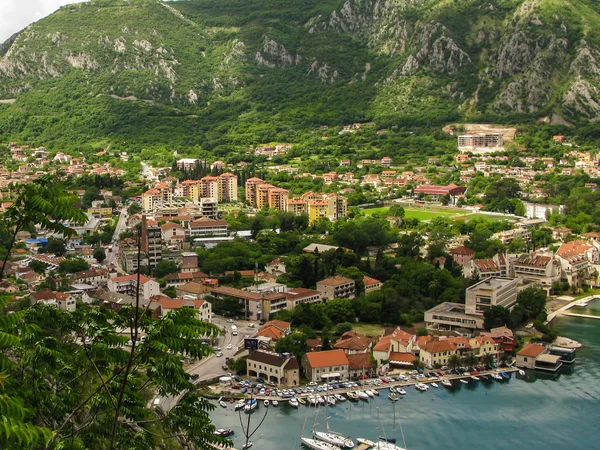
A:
x,y
490,292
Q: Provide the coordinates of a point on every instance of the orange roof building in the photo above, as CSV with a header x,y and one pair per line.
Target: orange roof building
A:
x,y
326,366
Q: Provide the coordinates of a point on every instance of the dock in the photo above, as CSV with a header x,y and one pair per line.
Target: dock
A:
x,y
585,316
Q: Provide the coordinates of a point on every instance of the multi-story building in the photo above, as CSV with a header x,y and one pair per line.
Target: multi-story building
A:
x,y
187,163
228,187
209,187
490,292
371,284
98,277
297,296
542,270
336,287
317,209
252,190
481,140
278,198
151,241
204,226
202,307
273,368
437,353
127,285
297,206
325,366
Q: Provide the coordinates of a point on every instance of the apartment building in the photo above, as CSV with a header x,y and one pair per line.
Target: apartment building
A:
x,y
204,226
490,292
127,285
336,287
228,187
151,241
272,367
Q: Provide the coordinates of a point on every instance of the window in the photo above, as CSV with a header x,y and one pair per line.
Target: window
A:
x,y
525,359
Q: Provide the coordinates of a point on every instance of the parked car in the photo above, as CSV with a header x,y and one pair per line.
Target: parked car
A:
x,y
195,376
219,354
260,380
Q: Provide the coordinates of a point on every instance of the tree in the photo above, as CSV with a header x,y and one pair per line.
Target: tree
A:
x,y
488,359
496,316
422,331
454,361
134,208
99,254
165,267
41,202
294,344
396,211
37,266
342,328
469,360
532,300
56,246
73,265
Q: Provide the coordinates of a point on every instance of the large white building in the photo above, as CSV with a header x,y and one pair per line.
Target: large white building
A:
x,y
127,285
490,292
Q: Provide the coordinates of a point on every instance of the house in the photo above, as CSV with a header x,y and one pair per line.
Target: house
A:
x,y
371,284
275,329
8,287
503,336
536,356
336,286
127,284
297,296
205,226
399,341
402,359
167,304
274,368
352,343
462,255
314,345
180,278
483,268
61,300
542,270
98,277
172,233
437,353
275,267
192,289
437,192
325,366
359,365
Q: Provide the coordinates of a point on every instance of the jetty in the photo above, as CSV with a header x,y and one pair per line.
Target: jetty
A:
x,y
586,316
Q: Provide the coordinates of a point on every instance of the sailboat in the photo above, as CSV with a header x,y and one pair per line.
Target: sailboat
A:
x,y
331,437
382,443
317,445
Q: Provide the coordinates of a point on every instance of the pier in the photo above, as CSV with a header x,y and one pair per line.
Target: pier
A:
x,y
585,316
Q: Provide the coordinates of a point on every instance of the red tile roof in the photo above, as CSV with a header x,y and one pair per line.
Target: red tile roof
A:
x,y
359,361
327,358
532,350
438,346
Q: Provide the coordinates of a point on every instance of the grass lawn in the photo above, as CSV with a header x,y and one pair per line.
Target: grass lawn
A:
x,y
415,213
491,217
368,329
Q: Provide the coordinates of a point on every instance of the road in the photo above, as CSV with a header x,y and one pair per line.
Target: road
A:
x,y
211,367
111,257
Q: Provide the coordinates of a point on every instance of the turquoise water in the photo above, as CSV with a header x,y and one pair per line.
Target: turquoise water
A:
x,y
536,411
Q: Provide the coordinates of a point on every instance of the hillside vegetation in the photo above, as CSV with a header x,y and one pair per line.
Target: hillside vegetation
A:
x,y
221,74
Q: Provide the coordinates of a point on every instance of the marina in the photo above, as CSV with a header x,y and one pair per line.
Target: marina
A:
x,y
529,410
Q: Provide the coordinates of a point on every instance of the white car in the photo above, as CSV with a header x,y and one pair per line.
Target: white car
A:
x,y
229,347
219,354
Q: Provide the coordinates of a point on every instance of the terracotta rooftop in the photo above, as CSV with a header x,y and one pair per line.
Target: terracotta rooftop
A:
x,y
359,361
532,350
327,358
273,359
438,346
335,280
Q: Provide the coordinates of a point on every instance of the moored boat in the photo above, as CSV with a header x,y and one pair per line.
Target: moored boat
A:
x,y
224,432
352,396
393,389
521,372
369,393
246,446
223,404
463,381
446,383
340,398
362,395
505,375
275,403
301,401
393,396
401,391
293,402
474,378
239,405
315,444
333,438
435,385
375,391
266,403
497,377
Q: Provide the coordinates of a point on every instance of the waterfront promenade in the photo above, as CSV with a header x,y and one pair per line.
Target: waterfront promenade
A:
x,y
226,392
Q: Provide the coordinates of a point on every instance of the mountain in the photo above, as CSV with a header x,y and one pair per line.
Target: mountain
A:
x,y
228,72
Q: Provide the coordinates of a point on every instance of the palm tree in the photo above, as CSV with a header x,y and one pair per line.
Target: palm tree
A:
x,y
488,359
469,360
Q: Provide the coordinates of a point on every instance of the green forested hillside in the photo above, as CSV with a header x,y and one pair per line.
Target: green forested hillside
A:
x,y
229,73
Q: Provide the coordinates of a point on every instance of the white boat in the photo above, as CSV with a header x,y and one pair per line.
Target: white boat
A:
x,y
421,387
293,402
239,405
474,378
521,372
497,377
321,400
401,391
315,444
375,391
248,445
313,400
435,385
463,381
446,383
333,438
330,399
223,404
362,395
340,398
250,406
393,390
266,403
393,396
275,403
369,393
